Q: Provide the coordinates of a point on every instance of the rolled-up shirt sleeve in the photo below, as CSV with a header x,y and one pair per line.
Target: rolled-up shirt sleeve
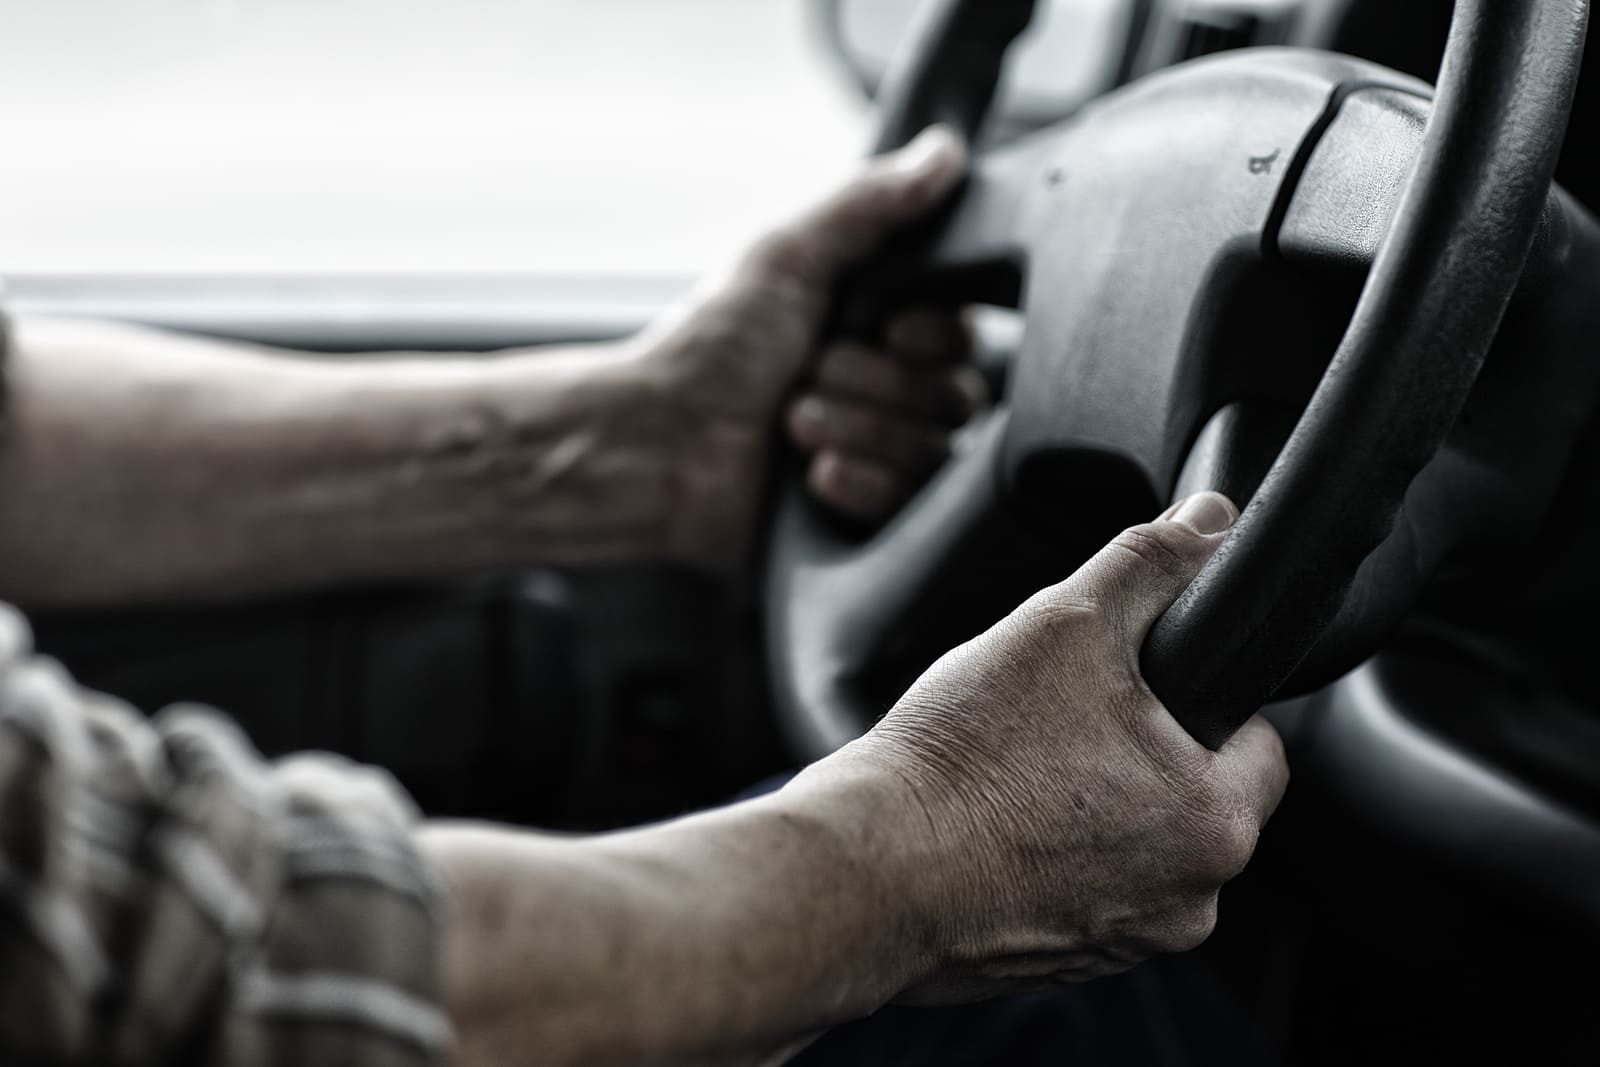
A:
x,y
168,897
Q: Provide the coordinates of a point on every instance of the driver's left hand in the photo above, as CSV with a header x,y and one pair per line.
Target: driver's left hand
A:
x,y
743,358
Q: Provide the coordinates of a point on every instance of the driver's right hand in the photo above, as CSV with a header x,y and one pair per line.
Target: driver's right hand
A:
x,y
1046,819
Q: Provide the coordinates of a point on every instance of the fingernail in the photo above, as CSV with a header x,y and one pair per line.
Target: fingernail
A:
x,y
934,145
1205,513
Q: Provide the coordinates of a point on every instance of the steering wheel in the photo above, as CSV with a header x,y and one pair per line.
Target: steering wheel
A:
x,y
1184,253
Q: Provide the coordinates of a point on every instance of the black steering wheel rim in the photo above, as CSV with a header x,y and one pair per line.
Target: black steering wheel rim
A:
x,y
1422,328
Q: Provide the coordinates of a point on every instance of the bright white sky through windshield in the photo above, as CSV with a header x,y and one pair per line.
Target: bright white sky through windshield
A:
x,y
606,136
640,137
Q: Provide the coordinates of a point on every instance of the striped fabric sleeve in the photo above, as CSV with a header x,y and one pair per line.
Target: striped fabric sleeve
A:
x,y
167,897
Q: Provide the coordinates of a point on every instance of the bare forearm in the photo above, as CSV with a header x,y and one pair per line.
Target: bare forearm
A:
x,y
143,465
731,937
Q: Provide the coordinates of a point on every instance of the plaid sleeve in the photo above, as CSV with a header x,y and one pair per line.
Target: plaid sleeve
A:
x,y
167,897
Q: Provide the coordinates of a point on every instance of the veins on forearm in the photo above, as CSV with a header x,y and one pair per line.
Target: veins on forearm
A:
x,y
530,465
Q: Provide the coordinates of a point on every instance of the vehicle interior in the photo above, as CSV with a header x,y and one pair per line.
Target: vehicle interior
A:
x,y
1235,244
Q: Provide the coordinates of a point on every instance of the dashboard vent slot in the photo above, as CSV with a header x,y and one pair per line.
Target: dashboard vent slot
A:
x,y
1218,32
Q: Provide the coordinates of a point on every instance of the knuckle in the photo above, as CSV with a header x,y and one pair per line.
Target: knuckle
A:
x,y
793,251
1266,790
1276,753
1237,846
802,423
875,195
1154,548
1062,614
825,478
1227,841
1194,926
854,487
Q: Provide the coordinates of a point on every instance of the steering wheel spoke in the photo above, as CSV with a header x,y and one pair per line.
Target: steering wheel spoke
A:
x,y
851,622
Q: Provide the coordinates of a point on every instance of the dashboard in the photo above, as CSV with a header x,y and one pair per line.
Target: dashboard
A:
x,y
1407,35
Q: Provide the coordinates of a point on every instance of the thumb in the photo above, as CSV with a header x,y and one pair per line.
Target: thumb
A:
x,y
1143,571
894,189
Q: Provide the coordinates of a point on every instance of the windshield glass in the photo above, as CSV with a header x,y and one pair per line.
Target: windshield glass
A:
x,y
640,137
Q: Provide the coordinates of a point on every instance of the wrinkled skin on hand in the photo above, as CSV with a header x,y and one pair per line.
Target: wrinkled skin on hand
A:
x,y
1064,825
874,419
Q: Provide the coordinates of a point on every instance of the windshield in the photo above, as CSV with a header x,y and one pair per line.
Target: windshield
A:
x,y
646,137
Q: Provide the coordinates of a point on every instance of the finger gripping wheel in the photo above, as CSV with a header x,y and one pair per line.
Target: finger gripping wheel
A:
x,y
1419,336
1424,323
